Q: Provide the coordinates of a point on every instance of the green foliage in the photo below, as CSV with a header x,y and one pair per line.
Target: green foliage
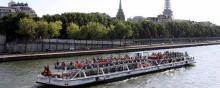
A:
x,y
9,25
73,31
30,29
121,30
54,29
93,30
145,29
161,31
80,18
27,28
42,29
98,26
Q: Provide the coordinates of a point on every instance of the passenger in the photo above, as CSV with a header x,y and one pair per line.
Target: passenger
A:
x,y
57,65
63,65
70,66
46,71
78,65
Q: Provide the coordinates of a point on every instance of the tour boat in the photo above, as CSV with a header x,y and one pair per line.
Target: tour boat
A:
x,y
95,70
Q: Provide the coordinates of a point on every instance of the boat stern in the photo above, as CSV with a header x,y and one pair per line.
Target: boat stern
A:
x,y
51,81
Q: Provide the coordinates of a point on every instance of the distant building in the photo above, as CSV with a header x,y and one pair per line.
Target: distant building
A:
x,y
137,19
166,16
14,7
4,11
120,15
206,23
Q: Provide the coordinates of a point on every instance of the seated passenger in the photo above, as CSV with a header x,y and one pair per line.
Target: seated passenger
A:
x,y
46,71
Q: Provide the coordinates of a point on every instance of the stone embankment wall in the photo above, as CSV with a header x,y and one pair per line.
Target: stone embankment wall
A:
x,y
54,45
2,43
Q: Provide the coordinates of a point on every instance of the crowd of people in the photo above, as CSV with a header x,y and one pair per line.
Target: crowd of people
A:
x,y
112,61
98,62
117,62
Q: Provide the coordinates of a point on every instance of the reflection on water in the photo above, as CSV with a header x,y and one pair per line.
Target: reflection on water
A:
x,y
205,73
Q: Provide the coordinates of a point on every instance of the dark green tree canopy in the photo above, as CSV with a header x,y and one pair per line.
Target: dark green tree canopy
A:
x,y
98,26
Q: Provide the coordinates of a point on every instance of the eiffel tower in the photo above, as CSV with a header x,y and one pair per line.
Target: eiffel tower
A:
x,y
167,10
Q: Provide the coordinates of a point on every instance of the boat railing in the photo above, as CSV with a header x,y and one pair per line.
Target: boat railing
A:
x,y
106,70
123,67
122,64
130,60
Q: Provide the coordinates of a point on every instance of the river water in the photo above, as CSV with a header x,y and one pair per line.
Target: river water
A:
x,y
204,74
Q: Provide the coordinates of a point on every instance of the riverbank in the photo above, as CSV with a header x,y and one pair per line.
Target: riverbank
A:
x,y
18,57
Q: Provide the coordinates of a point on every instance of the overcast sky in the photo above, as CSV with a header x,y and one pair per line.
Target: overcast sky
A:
x,y
197,10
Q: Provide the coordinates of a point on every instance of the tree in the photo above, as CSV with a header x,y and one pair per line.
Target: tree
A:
x,y
135,29
2,31
98,26
145,30
27,28
161,31
10,25
121,30
73,31
42,29
63,33
93,30
54,29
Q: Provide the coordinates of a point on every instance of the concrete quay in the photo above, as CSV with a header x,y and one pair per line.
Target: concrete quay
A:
x,y
19,57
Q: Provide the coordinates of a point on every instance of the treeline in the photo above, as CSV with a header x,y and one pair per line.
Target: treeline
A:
x,y
98,26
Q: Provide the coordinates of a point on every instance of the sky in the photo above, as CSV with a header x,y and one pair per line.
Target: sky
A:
x,y
195,10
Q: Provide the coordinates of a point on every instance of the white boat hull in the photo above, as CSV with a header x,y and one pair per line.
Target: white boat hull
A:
x,y
99,78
